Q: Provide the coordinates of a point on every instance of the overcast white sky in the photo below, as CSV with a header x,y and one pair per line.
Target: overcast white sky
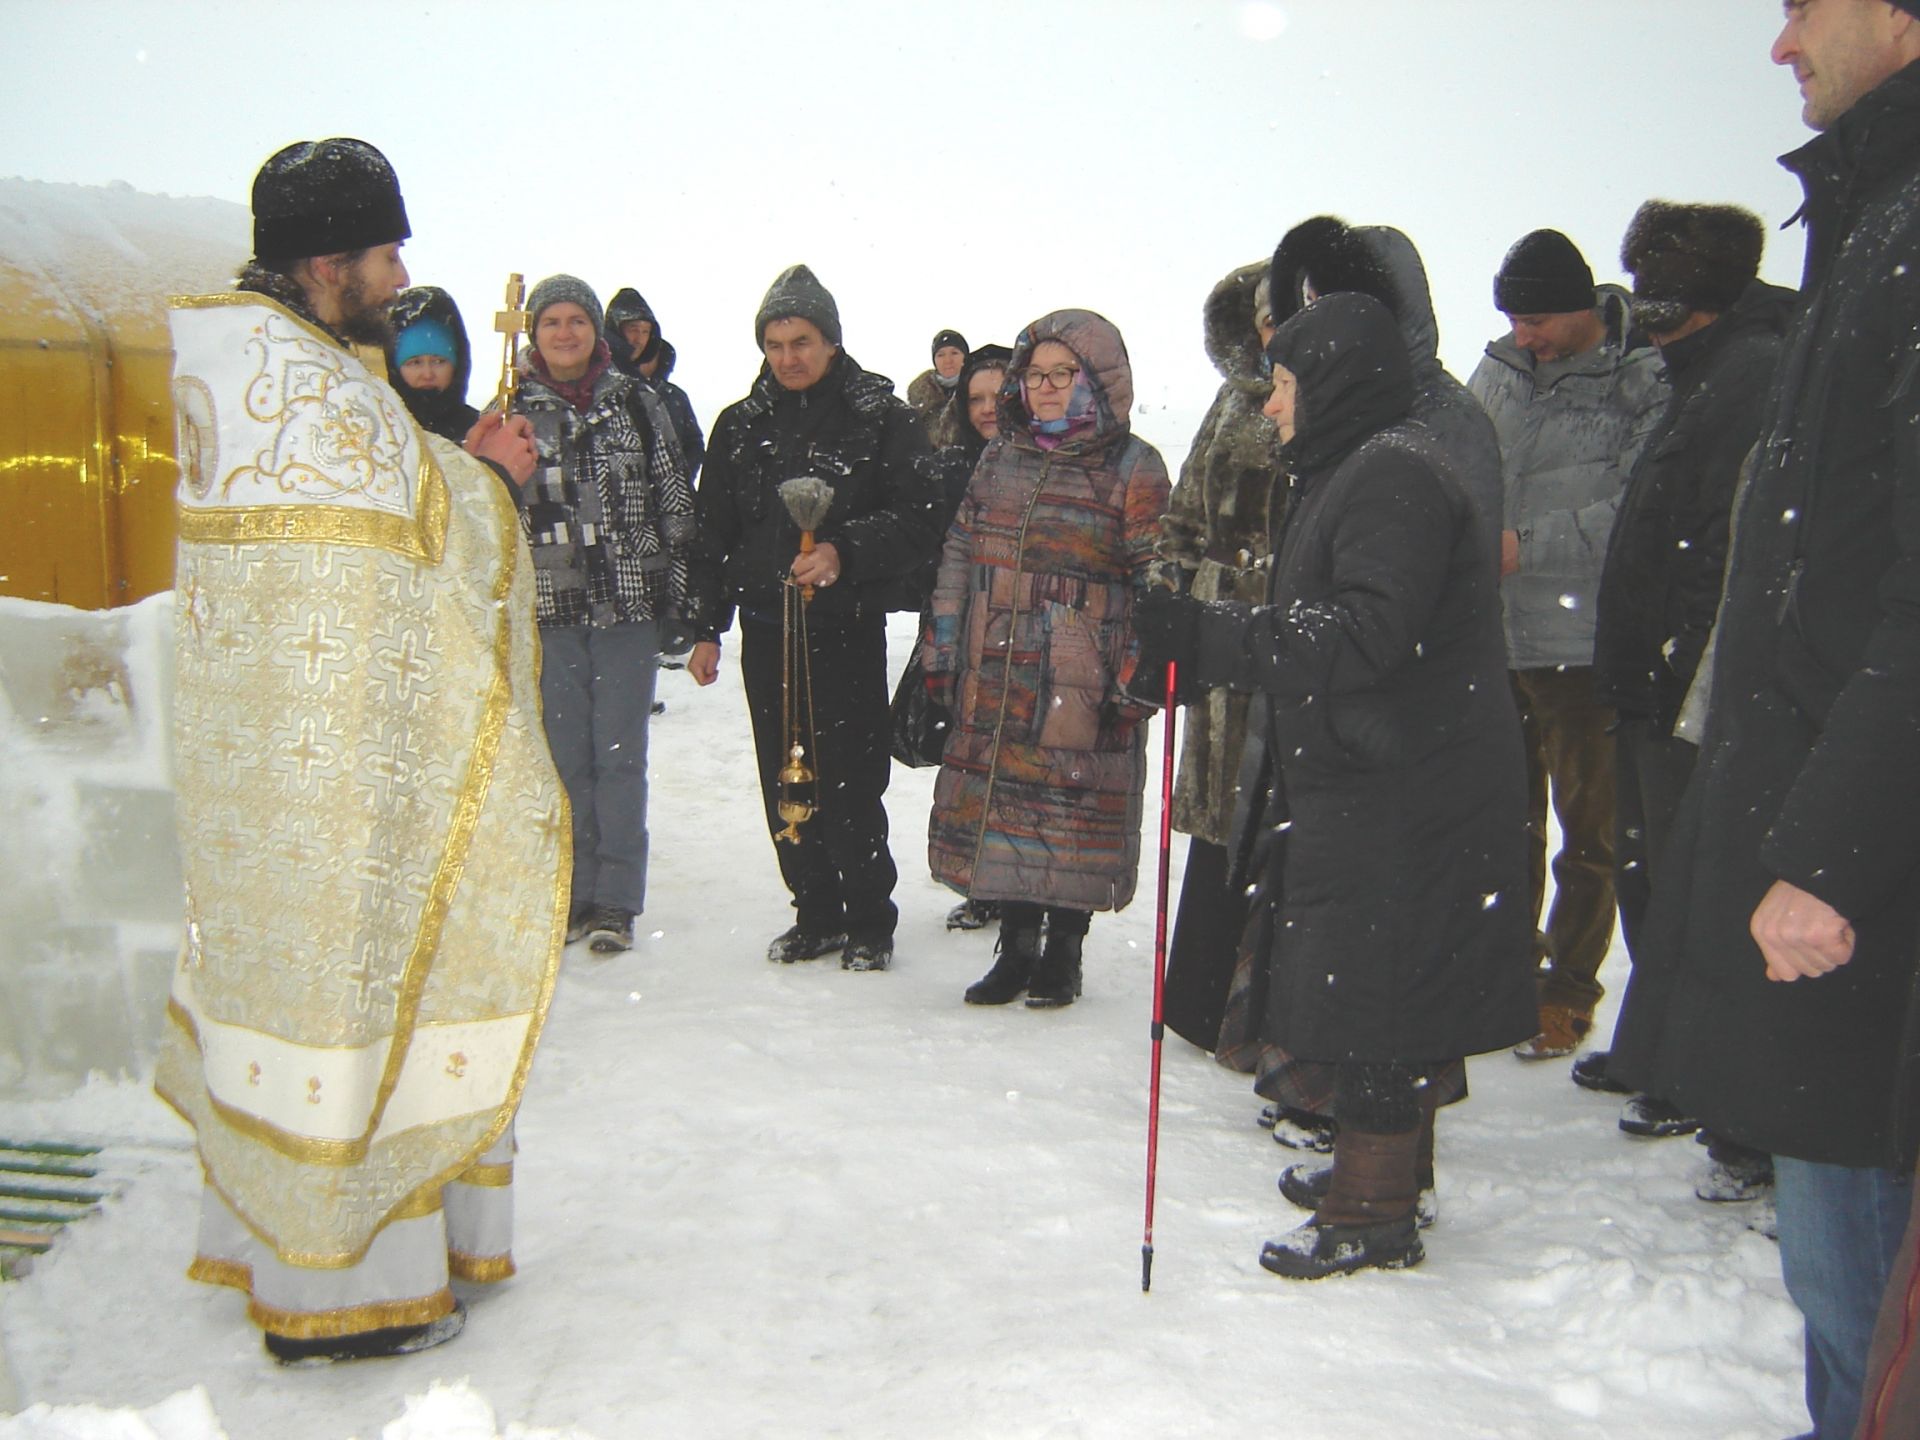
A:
x,y
971,163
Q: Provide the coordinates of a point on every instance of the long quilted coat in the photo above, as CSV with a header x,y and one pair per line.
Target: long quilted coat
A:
x,y
1039,796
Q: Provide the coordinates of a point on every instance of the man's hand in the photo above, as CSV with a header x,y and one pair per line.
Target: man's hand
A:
x,y
508,443
1800,934
819,567
704,663
1509,553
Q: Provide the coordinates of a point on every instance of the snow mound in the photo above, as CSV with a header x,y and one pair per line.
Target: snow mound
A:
x,y
185,1416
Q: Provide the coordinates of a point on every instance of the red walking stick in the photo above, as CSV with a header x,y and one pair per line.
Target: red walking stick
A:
x,y
1158,1029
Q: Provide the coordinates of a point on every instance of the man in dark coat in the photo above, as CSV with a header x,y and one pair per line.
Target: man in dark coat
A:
x,y
814,412
1780,965
639,350
1718,330
1390,858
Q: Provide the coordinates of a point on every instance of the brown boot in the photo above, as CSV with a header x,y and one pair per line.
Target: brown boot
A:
x,y
1562,1028
1366,1220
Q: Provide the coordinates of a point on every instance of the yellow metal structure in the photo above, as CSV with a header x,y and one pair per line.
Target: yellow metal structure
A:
x,y
87,469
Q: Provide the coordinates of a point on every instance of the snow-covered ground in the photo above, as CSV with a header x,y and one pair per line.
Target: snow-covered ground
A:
x,y
791,1201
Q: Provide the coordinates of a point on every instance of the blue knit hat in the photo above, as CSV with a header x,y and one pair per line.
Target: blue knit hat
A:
x,y
424,337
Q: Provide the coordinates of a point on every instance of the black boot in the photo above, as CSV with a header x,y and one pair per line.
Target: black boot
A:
x,y
1366,1219
1014,954
368,1344
1056,979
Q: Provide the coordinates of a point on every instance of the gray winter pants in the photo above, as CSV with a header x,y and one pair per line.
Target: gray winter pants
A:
x,y
596,687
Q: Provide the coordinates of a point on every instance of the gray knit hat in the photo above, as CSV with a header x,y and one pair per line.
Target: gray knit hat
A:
x,y
556,288
796,295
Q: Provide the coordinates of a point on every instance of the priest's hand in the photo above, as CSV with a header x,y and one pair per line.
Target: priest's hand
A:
x,y
1800,935
818,567
704,663
508,443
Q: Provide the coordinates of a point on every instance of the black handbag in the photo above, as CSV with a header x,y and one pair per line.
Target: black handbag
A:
x,y
918,735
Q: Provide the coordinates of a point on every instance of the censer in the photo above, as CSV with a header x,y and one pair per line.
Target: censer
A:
x,y
807,500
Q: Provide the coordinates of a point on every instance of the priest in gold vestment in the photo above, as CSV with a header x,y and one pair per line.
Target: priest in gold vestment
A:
x,y
375,842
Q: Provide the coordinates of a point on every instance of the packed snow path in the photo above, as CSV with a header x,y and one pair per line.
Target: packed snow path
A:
x,y
759,1200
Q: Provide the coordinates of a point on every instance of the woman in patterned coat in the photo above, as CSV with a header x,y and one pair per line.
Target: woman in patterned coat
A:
x,y
1038,801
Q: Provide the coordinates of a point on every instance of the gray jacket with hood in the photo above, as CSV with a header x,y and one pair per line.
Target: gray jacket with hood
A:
x,y
1570,431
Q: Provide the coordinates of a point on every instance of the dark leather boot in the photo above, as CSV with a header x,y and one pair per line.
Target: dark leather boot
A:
x,y
1056,979
1366,1220
1307,1185
1014,956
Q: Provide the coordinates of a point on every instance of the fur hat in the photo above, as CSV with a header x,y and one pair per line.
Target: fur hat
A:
x,y
950,337
1699,256
324,197
1543,274
1329,254
796,295
557,288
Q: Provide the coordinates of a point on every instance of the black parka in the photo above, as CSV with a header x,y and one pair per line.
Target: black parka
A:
x,y
1810,765
1666,561
629,304
850,430
445,413
1393,846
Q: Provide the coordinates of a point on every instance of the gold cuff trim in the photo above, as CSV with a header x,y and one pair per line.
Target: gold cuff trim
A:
x,y
480,1269
234,1274
355,1320
490,1176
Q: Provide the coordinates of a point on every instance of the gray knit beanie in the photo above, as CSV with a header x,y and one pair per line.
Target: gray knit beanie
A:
x,y
796,295
556,288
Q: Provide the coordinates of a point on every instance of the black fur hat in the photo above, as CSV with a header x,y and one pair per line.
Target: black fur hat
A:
x,y
1699,256
1329,254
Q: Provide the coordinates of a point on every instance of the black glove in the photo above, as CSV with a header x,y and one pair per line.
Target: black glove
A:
x,y
676,635
1168,629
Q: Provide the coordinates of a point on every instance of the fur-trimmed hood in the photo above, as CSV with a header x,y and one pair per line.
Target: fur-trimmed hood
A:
x,y
1233,343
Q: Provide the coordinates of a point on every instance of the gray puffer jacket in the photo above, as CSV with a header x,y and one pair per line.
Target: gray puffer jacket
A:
x,y
1570,431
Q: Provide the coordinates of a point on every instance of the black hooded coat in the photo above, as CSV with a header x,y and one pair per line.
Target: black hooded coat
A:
x,y
1390,856
1381,261
445,413
629,304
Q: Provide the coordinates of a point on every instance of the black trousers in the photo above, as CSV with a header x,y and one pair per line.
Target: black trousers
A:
x,y
1650,770
1205,945
841,873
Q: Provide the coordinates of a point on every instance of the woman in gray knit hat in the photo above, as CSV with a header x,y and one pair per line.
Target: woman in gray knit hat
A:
x,y
609,516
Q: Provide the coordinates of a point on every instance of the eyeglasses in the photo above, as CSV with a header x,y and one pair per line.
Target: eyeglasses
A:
x,y
1059,377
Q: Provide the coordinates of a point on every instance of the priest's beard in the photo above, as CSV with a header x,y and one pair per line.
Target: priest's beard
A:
x,y
360,321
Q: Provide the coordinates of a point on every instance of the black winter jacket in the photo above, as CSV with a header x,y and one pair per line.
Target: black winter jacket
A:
x,y
1393,844
850,430
1810,765
1666,561
445,413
